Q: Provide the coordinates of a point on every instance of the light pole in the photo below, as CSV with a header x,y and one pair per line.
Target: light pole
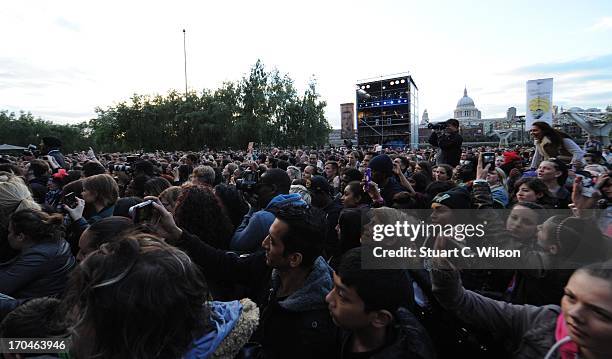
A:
x,y
185,57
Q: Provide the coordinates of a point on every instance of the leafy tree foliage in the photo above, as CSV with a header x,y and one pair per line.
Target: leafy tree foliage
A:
x,y
264,107
24,129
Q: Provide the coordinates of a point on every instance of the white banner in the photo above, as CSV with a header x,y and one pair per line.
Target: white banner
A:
x,y
539,102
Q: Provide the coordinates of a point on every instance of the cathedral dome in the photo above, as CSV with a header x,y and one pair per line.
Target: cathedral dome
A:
x,y
465,101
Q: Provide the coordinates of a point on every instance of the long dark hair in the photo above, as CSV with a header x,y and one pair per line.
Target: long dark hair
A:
x,y
555,136
136,298
539,187
356,188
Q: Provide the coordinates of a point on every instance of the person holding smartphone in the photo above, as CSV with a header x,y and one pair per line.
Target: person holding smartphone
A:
x,y
101,192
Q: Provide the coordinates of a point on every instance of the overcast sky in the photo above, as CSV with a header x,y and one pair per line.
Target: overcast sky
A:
x,y
62,59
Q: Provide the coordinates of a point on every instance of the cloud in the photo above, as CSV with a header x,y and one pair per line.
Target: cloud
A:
x,y
605,23
19,73
67,24
603,62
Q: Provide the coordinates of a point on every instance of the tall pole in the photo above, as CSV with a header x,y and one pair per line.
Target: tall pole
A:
x,y
185,56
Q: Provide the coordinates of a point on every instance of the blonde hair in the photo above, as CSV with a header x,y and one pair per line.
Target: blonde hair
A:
x,y
502,177
171,194
14,194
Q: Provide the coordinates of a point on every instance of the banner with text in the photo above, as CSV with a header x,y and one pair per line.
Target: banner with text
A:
x,y
539,101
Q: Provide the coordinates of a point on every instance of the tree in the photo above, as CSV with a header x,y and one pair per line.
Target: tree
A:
x,y
262,107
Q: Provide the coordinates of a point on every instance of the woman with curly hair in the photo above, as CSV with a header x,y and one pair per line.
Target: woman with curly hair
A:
x,y
200,212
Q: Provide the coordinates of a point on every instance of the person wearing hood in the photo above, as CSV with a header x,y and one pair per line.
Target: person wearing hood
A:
x,y
371,307
288,281
140,297
271,191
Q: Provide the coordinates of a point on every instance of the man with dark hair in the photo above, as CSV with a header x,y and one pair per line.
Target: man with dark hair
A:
x,y
371,307
143,167
272,190
366,159
449,141
92,168
288,280
192,159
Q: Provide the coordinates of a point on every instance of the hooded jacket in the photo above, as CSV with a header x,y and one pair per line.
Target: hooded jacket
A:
x,y
298,326
233,323
255,226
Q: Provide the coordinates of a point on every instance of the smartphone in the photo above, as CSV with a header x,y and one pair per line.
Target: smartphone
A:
x,y
488,158
70,200
368,177
588,183
142,212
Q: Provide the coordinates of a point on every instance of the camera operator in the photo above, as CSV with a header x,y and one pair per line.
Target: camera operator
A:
x,y
448,139
272,190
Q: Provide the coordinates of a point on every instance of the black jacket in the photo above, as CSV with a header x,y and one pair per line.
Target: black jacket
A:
x,y
407,338
298,326
39,271
389,190
39,188
450,144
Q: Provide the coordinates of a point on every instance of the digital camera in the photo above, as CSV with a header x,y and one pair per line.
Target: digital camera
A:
x,y
437,126
248,181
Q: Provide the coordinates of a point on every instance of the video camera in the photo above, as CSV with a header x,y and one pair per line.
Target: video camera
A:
x,y
248,181
121,168
437,126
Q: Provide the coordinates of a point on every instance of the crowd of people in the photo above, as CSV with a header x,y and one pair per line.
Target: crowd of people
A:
x,y
258,253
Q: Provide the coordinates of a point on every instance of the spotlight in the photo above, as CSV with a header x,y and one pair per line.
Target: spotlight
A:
x,y
397,82
391,83
384,87
368,86
363,87
403,81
